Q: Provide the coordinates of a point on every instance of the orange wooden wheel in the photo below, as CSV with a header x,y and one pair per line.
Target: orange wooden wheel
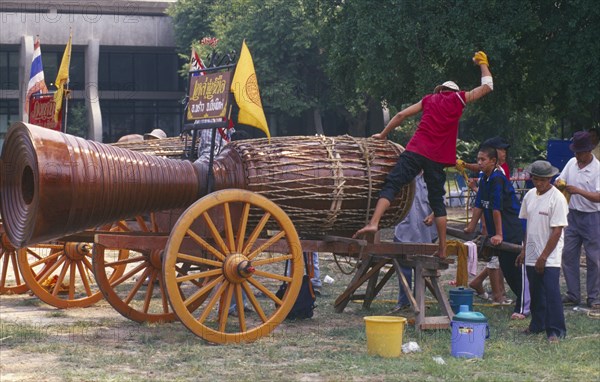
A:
x,y
60,274
205,275
11,281
139,293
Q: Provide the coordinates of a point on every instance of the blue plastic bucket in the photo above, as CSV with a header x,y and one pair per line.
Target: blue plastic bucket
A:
x,y
469,332
461,296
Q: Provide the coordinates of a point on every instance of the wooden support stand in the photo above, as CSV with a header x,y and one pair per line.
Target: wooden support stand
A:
x,y
427,274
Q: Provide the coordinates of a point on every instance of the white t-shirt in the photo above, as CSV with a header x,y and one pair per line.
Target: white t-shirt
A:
x,y
543,212
587,178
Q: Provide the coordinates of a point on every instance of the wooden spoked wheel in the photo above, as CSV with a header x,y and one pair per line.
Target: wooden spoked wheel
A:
x,y
61,274
11,281
205,275
139,293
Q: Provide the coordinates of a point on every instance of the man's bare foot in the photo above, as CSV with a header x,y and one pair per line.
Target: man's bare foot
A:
x,y
477,288
441,253
369,228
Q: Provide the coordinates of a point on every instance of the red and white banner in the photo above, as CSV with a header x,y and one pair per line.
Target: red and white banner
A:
x,y
41,111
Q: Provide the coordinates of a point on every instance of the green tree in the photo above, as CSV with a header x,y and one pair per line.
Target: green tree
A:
x,y
283,42
542,56
349,56
191,21
77,123
282,36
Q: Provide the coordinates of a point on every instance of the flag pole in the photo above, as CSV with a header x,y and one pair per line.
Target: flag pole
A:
x,y
66,89
66,108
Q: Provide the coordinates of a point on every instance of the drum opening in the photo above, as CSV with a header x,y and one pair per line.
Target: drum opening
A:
x,y
27,186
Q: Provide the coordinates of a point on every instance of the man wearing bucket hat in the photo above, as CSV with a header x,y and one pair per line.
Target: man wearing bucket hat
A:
x,y
545,209
155,134
432,147
581,179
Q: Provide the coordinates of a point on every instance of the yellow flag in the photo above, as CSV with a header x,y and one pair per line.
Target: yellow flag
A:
x,y
245,89
62,77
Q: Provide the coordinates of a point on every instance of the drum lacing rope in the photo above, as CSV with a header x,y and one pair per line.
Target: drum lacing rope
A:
x,y
338,181
365,154
353,267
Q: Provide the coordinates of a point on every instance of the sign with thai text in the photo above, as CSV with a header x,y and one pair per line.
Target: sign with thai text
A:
x,y
208,96
41,111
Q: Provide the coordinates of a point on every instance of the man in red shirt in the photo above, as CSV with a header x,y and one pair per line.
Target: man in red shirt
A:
x,y
432,147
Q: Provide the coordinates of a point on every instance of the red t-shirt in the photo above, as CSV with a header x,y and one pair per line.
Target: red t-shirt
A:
x,y
436,135
506,169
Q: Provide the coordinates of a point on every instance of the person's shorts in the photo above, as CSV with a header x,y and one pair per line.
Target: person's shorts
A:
x,y
494,263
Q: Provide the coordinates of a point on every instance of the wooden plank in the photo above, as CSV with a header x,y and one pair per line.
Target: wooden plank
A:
x,y
441,298
419,295
437,322
370,291
342,301
388,275
361,276
404,285
478,238
131,241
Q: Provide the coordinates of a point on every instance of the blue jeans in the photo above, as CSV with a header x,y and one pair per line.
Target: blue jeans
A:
x,y
316,281
407,272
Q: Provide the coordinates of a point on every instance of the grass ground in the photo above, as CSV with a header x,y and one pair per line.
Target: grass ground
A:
x,y
97,344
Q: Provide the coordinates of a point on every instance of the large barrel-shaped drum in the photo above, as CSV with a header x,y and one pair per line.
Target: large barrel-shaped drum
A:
x,y
327,185
54,184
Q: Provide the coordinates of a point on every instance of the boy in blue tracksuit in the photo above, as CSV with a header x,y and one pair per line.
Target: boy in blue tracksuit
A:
x,y
498,204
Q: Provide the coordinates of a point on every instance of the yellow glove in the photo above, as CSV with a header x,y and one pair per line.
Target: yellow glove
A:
x,y
480,58
460,165
562,187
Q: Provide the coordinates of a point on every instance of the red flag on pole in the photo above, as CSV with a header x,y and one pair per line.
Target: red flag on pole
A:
x,y
36,84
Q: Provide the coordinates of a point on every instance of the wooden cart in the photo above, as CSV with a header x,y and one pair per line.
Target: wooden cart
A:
x,y
227,247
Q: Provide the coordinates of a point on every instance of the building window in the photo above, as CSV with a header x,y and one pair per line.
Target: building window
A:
x,y
122,117
51,60
9,113
139,71
9,69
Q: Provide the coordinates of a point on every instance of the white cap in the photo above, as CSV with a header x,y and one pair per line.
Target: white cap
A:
x,y
155,134
450,85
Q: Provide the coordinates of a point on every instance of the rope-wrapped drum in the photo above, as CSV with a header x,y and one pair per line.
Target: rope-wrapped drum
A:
x,y
325,184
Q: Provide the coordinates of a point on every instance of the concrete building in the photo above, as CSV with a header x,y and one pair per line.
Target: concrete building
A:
x,y
123,72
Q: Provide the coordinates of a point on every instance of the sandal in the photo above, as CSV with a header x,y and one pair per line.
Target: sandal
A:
x,y
484,296
518,316
506,302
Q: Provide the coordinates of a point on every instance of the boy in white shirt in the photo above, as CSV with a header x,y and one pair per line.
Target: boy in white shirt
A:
x,y
545,209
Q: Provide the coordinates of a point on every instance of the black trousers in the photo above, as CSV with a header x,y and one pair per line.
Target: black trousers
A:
x,y
409,165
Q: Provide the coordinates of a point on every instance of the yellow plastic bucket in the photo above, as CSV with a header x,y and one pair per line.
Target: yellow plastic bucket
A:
x,y
384,335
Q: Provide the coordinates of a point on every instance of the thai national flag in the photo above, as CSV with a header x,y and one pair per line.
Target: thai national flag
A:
x,y
196,63
36,79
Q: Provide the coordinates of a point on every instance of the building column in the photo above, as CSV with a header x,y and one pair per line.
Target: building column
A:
x,y
24,71
92,101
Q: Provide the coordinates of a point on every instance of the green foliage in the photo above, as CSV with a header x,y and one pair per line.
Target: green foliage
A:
x,y
77,123
192,21
342,55
542,56
282,38
467,151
